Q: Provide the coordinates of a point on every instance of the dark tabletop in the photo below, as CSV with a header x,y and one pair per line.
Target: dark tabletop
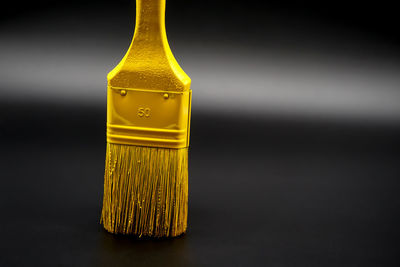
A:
x,y
264,191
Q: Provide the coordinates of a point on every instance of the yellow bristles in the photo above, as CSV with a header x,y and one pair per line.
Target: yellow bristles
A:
x,y
145,191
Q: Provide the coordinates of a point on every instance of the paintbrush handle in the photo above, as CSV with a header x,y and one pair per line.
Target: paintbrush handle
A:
x,y
149,62
150,21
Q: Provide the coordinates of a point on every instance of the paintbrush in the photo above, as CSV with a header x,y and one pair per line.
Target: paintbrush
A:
x,y
148,120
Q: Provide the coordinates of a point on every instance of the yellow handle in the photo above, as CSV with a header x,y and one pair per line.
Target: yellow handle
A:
x,y
149,62
149,96
150,22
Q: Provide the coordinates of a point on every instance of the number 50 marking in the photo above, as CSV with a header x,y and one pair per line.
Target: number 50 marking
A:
x,y
144,112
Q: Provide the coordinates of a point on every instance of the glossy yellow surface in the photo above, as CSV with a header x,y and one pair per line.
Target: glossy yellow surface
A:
x,y
148,117
149,94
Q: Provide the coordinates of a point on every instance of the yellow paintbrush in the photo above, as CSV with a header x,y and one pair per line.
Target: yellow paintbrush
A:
x,y
148,119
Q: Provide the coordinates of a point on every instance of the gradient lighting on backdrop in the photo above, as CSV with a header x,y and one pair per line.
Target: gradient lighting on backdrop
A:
x,y
294,147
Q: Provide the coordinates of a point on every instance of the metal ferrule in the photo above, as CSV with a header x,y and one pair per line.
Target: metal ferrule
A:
x,y
148,117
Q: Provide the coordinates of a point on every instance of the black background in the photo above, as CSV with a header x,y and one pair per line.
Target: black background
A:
x,y
266,189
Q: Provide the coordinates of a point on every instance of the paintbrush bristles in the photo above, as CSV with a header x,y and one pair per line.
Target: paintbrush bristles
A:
x,y
145,191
